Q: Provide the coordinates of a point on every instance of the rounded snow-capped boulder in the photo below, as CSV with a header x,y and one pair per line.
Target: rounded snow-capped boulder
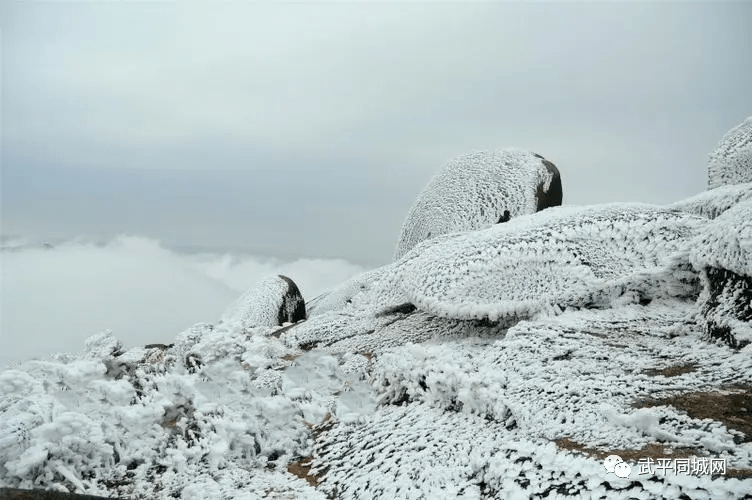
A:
x,y
480,189
731,162
272,301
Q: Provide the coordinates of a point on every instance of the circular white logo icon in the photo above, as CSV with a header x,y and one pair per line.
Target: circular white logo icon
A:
x,y
614,463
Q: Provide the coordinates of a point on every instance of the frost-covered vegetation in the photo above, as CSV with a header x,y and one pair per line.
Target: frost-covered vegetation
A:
x,y
503,361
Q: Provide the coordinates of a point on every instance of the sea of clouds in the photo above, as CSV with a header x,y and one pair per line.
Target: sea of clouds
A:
x,y
54,297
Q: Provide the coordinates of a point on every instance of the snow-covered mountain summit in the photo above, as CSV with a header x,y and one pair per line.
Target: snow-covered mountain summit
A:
x,y
493,361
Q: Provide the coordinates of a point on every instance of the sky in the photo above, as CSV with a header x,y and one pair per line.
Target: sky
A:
x,y
307,129
174,154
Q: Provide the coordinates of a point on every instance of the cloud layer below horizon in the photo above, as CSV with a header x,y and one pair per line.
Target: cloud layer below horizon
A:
x,y
52,299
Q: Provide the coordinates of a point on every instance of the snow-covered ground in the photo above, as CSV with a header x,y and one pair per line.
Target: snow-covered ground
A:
x,y
503,362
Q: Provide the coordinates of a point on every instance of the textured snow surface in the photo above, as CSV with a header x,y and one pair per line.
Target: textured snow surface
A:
x,y
473,191
481,416
713,203
259,305
349,292
731,162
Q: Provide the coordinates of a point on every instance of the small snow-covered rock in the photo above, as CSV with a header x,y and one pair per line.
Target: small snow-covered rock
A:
x,y
273,301
731,162
479,189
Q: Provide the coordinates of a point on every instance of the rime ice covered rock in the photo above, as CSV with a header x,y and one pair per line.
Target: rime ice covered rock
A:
x,y
479,189
592,257
565,256
714,202
722,252
272,301
726,242
731,162
350,292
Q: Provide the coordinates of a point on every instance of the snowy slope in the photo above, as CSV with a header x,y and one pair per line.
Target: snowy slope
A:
x,y
566,256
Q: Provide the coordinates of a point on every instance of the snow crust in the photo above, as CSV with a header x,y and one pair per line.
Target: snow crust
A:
x,y
473,191
731,161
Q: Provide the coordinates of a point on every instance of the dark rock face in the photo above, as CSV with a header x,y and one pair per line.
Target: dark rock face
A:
x,y
504,217
553,196
293,308
728,298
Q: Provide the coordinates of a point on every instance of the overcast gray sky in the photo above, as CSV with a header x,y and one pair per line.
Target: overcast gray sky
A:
x,y
308,129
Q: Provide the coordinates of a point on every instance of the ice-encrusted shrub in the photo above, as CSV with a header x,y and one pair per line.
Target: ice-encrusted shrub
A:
x,y
143,417
477,190
731,161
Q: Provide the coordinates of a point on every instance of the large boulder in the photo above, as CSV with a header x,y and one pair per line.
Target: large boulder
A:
x,y
480,189
731,162
722,252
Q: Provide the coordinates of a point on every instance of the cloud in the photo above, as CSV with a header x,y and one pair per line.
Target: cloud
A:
x,y
52,299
